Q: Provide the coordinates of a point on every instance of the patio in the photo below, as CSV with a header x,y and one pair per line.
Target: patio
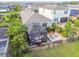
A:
x,y
37,35
56,40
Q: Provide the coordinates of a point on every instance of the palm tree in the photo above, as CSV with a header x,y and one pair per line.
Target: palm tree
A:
x,y
69,31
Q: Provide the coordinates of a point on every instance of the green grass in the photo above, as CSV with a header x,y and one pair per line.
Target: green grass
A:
x,y
68,50
8,12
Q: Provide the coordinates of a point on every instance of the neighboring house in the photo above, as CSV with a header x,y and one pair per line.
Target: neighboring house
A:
x,y
74,11
34,6
3,42
36,24
5,8
55,12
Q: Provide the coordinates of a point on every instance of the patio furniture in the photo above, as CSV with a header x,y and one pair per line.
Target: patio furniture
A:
x,y
57,42
55,39
38,43
37,35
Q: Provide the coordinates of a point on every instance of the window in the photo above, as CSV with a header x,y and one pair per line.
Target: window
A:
x,y
44,24
55,19
65,12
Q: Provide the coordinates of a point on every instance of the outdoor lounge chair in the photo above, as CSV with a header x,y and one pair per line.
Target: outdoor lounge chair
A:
x,y
58,42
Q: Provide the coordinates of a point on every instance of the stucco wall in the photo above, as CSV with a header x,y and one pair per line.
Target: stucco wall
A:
x,y
50,13
46,12
60,13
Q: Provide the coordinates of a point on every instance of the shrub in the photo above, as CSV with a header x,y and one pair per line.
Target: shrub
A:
x,y
49,29
35,10
64,34
69,30
76,23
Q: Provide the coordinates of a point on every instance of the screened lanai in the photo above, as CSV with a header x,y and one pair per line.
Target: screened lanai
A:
x,y
4,39
37,34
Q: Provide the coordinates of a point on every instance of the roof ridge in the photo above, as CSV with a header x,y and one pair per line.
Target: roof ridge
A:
x,y
54,6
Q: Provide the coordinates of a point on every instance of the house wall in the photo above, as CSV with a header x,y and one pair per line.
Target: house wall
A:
x,y
74,8
46,12
4,10
74,12
60,13
52,14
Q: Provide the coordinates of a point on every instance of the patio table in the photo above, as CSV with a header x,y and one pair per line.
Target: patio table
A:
x,y
55,39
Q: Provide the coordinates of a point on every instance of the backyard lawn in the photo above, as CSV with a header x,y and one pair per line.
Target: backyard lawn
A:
x,y
69,50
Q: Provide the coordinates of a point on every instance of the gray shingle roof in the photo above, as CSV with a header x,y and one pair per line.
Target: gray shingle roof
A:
x,y
36,28
72,5
36,18
29,17
54,7
35,4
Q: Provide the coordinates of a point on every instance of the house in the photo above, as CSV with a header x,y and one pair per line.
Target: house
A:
x,y
5,8
34,6
74,11
36,24
29,17
55,12
3,42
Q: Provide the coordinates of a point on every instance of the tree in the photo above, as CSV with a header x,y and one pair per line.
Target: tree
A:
x,y
69,31
18,39
17,8
73,2
54,26
3,24
35,10
18,44
68,27
17,33
49,29
59,29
